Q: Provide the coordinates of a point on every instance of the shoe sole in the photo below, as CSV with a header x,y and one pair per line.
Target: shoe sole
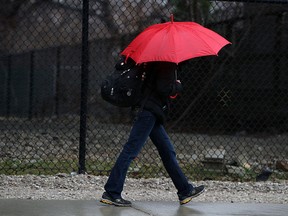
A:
x,y
109,202
188,199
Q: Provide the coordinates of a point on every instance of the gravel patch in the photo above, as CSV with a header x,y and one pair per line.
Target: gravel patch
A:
x,y
89,187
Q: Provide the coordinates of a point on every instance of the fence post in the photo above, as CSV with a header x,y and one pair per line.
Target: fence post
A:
x,y
277,58
31,85
57,80
84,87
8,88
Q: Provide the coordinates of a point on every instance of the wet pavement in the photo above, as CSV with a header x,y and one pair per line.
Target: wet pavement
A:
x,y
15,207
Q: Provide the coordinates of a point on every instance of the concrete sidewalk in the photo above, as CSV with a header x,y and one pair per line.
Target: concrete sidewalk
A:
x,y
14,207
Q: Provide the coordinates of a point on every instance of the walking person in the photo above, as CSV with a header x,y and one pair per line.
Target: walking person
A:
x,y
160,84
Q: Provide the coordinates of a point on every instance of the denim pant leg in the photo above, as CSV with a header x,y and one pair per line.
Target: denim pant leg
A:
x,y
167,153
138,136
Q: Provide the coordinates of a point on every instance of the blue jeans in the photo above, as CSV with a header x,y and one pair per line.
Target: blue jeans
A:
x,y
146,126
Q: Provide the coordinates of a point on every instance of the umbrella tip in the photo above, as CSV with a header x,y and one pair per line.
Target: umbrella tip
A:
x,y
172,18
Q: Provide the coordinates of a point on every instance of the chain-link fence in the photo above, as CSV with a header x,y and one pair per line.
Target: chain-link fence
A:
x,y
231,120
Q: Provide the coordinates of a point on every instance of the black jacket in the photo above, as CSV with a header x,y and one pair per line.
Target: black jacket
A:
x,y
160,84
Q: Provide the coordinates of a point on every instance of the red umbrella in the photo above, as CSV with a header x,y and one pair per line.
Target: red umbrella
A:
x,y
174,42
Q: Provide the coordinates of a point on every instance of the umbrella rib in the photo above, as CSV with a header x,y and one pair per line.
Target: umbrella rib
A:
x,y
215,41
206,42
142,51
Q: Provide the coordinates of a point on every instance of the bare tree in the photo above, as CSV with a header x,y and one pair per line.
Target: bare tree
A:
x,y
191,10
10,8
31,24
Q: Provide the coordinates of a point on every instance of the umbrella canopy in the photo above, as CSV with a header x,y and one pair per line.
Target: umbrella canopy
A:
x,y
174,42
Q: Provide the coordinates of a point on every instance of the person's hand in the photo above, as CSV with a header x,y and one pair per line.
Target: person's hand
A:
x,y
176,89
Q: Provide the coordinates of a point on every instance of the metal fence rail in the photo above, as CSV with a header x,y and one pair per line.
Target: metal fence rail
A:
x,y
230,122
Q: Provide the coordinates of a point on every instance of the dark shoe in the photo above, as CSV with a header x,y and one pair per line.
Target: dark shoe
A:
x,y
194,193
107,199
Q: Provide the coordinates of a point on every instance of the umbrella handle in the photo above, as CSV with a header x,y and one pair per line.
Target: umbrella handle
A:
x,y
174,85
173,96
176,75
